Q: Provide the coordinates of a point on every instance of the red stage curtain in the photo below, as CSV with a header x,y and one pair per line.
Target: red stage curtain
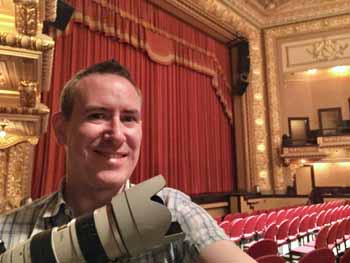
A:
x,y
187,132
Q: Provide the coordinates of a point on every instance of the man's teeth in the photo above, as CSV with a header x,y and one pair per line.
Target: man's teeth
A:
x,y
112,155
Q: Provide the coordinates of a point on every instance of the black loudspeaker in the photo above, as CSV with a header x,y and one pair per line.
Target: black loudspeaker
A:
x,y
63,15
243,67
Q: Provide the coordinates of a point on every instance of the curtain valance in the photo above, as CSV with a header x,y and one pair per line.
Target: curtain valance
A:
x,y
138,23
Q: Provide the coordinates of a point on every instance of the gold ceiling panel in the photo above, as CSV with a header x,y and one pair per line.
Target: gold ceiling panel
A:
x,y
259,13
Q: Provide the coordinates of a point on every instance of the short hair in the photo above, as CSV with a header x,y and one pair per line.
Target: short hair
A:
x,y
107,67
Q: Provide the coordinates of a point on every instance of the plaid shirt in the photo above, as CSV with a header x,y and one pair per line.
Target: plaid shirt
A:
x,y
200,229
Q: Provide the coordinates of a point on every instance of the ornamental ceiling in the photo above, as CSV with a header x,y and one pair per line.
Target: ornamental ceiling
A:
x,y
209,14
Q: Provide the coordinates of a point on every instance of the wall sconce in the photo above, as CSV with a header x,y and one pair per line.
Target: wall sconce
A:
x,y
3,124
263,174
259,122
261,147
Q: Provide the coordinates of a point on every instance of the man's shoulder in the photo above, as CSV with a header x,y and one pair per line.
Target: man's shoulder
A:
x,y
30,208
171,193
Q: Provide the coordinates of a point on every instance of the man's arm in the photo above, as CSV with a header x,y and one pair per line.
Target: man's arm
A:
x,y
224,251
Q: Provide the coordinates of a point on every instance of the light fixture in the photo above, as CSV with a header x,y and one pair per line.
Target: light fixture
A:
x,y
340,70
311,71
261,147
259,122
3,124
258,96
263,174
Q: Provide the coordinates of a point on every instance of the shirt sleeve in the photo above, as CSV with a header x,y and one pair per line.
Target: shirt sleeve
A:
x,y
200,228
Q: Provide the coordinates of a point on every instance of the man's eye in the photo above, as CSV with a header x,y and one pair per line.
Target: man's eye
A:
x,y
97,116
129,118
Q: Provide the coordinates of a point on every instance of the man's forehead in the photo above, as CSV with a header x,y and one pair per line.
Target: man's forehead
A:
x,y
98,89
97,81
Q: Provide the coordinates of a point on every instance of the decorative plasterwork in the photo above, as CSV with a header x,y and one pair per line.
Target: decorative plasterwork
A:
x,y
16,166
273,39
268,13
334,141
26,57
329,49
295,153
322,51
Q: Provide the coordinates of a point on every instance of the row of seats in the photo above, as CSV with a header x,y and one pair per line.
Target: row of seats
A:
x,y
283,224
296,225
333,236
266,251
296,210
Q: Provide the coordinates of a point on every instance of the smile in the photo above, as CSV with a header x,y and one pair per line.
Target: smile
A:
x,y
111,155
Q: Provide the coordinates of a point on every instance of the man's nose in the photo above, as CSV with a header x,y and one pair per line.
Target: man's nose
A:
x,y
116,131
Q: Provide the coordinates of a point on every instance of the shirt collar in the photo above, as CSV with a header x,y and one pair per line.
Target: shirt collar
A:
x,y
59,204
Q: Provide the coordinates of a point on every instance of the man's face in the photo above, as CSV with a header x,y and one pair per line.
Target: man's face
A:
x,y
103,135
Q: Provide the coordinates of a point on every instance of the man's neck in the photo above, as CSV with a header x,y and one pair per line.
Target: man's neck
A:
x,y
83,201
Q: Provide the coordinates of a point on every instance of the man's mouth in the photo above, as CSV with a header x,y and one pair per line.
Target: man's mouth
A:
x,y
111,155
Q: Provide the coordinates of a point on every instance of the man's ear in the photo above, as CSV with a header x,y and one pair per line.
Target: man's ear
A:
x,y
59,125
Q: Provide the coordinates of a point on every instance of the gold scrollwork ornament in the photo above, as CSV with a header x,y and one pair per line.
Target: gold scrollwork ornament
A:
x,y
26,17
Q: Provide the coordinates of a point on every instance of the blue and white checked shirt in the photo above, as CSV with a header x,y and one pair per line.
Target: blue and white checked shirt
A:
x,y
45,213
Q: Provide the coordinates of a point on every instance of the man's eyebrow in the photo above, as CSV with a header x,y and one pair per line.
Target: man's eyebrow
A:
x,y
94,108
132,112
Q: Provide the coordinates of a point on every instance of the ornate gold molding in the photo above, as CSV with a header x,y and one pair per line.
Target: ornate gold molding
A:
x,y
267,13
27,17
313,152
334,141
16,166
48,9
256,146
26,57
13,139
28,94
42,43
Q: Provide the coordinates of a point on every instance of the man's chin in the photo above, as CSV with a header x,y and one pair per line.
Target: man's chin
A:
x,y
111,181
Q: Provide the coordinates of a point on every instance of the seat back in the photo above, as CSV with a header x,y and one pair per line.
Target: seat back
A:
x,y
270,259
323,255
226,226
304,210
320,219
327,217
341,230
261,223
262,247
282,231
321,238
231,217
347,227
334,214
332,234
280,216
304,224
271,218
249,227
293,227
290,213
271,232
312,221
237,228
297,211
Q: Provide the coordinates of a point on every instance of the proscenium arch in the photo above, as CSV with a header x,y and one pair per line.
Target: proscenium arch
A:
x,y
254,167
